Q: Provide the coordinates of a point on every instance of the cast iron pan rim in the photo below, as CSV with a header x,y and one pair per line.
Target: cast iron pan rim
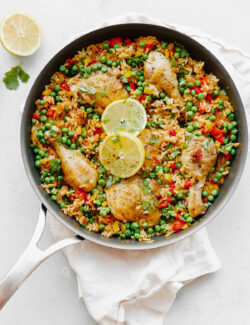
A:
x,y
134,245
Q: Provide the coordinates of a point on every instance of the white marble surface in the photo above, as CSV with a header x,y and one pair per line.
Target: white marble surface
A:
x,y
49,296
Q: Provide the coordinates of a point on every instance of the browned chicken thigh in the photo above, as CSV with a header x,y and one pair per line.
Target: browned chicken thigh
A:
x,y
131,201
198,161
99,88
78,171
159,72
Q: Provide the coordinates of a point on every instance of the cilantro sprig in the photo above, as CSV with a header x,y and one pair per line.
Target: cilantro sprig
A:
x,y
12,77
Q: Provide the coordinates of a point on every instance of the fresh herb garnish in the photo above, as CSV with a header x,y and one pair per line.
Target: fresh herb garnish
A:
x,y
55,166
11,78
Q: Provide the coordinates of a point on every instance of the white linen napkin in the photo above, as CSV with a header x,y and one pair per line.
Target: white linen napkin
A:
x,y
139,287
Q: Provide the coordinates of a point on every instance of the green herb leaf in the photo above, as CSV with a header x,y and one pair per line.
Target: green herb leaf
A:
x,y
154,140
55,166
88,90
11,77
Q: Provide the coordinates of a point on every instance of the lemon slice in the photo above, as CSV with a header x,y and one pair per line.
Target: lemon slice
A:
x,y
20,34
124,115
122,154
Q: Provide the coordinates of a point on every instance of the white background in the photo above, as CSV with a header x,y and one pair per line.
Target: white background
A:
x,y
49,296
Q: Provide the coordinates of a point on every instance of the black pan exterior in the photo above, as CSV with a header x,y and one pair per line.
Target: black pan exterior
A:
x,y
132,31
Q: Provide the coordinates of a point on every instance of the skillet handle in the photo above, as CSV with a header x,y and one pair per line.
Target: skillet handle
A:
x,y
31,259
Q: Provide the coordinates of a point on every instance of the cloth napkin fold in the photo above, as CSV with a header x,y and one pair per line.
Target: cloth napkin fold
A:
x,y
139,287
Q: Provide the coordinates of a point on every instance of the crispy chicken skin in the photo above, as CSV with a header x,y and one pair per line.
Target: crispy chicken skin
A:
x,y
125,201
79,172
159,72
199,158
198,161
105,89
194,200
151,150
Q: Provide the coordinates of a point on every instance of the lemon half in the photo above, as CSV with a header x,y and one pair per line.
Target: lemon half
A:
x,y
122,154
124,115
20,34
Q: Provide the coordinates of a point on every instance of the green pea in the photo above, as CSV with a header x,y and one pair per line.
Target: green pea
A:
x,y
52,94
102,227
117,179
133,74
138,92
145,56
160,181
109,63
212,118
47,180
178,165
189,105
53,197
94,67
137,236
34,121
82,150
189,220
58,98
200,96
142,44
180,196
42,102
73,146
57,87
99,66
105,45
152,175
91,220
134,225
74,68
128,233
101,182
231,117
166,170
194,109
193,92
186,91
190,128
64,140
62,68
216,92
234,123
234,131
66,71
164,45
43,141
103,59
220,108
233,152
83,135
218,175
190,114
215,192
150,230
233,137
89,110
43,119
227,111
37,163
162,95
204,193
206,205
191,85
210,198
228,163
215,180
157,228
220,102
104,69
198,82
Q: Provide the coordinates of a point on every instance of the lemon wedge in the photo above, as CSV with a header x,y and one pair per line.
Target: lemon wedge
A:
x,y
122,154
20,34
124,115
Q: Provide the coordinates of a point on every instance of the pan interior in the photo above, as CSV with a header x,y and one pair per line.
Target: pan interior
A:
x,y
197,51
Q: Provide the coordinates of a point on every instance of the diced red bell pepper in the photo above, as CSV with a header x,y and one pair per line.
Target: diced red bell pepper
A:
x,y
75,135
47,166
41,97
115,40
156,159
132,85
202,129
91,62
199,157
209,98
142,98
82,194
178,224
148,46
50,112
36,117
218,134
127,41
197,90
97,131
173,166
172,185
64,86
70,61
164,202
172,132
148,118
187,183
